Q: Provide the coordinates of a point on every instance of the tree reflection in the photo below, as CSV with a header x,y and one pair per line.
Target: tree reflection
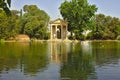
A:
x,y
74,61
79,65
106,52
8,60
30,57
36,59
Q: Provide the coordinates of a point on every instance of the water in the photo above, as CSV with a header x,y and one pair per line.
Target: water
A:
x,y
97,60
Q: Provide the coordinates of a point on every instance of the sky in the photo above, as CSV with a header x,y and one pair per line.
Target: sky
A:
x,y
107,7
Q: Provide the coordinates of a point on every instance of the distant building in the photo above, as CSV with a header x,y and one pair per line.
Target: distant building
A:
x,y
58,29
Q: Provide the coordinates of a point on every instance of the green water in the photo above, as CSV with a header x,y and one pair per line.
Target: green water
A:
x,y
98,60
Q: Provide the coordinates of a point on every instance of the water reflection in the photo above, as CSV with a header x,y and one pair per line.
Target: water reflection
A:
x,y
75,59
86,47
79,65
58,52
28,58
107,59
106,52
99,60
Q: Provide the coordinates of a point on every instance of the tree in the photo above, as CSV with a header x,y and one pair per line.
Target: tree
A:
x,y
34,22
5,4
9,26
79,15
107,27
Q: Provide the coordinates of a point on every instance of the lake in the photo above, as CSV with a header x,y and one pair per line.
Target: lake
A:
x,y
85,60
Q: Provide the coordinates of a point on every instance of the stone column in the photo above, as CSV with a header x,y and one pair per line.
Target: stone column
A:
x,y
51,32
66,32
61,31
55,31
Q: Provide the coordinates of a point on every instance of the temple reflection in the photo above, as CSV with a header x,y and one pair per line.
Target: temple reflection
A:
x,y
58,52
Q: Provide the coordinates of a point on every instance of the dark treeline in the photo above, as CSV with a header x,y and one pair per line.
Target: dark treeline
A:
x,y
32,22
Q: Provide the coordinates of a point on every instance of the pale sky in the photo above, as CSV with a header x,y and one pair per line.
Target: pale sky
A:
x,y
107,7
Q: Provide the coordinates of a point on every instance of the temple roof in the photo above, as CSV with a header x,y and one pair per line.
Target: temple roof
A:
x,y
59,21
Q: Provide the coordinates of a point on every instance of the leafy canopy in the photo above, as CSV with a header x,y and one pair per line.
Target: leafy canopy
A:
x,y
5,4
9,26
107,27
34,21
78,13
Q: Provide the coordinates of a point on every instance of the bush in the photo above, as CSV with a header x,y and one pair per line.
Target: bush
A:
x,y
89,36
47,36
2,40
71,37
118,38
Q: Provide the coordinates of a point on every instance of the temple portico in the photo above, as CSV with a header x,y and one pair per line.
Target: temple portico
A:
x,y
58,29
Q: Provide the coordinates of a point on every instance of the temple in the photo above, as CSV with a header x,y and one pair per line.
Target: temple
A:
x,y
58,29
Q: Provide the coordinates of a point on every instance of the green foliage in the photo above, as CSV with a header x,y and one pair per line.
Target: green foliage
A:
x,y
79,15
89,36
2,40
118,37
34,22
107,27
9,26
5,4
71,37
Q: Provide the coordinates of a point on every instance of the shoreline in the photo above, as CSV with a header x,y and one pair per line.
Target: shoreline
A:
x,y
43,41
76,41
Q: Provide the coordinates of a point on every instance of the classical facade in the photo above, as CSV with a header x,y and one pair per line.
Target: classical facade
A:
x,y
58,29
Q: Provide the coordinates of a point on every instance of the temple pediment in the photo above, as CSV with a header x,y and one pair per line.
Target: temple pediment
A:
x,y
58,21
